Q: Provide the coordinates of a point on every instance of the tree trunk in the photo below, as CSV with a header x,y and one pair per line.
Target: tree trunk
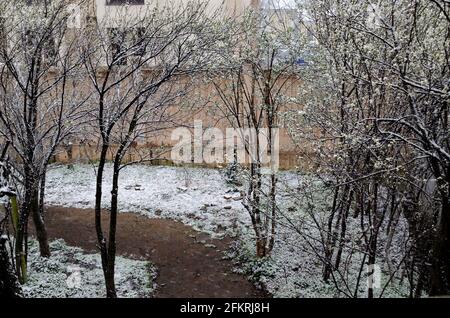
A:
x,y
38,220
110,285
440,271
345,211
9,287
255,191
21,264
109,279
273,206
330,240
111,290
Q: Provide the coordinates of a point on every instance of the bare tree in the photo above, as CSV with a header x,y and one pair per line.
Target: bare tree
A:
x,y
138,68
252,85
9,285
39,101
376,124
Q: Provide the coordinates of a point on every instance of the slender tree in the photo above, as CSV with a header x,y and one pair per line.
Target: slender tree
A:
x,y
375,121
252,85
39,103
138,69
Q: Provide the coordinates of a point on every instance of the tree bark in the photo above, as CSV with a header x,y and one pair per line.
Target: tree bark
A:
x,y
38,220
112,229
440,271
9,287
104,250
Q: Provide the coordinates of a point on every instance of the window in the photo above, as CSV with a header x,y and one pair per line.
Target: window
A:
x,y
31,2
32,38
3,39
123,2
2,32
50,49
117,40
28,39
139,41
126,43
91,21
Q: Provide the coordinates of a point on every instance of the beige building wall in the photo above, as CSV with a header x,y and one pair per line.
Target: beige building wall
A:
x,y
161,143
105,13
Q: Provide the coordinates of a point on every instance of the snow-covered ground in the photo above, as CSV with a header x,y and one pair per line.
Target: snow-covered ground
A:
x,y
203,199
72,273
197,197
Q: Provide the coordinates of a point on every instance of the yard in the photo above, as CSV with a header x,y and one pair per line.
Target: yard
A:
x,y
191,228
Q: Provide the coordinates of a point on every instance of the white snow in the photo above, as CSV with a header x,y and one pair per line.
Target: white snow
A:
x,y
201,198
70,272
197,197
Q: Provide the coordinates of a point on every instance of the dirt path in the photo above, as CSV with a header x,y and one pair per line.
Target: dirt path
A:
x,y
186,267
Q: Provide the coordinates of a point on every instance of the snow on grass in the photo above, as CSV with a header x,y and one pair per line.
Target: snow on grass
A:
x,y
286,273
197,197
295,269
70,272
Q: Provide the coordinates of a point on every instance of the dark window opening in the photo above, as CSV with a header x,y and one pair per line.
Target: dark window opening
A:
x,y
29,38
91,21
124,2
50,50
117,41
31,41
2,32
139,41
31,2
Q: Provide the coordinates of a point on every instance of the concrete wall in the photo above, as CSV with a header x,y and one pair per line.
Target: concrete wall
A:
x,y
106,13
160,143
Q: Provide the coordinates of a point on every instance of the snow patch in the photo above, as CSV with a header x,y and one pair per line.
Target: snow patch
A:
x,y
70,272
197,197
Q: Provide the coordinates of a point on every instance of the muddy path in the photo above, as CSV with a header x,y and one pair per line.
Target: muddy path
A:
x,y
190,264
